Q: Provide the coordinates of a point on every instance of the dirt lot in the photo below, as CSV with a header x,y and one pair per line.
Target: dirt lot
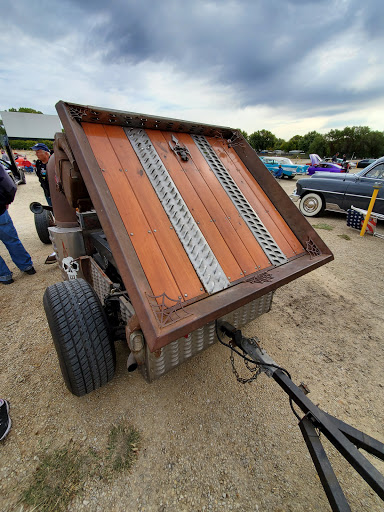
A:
x,y
207,442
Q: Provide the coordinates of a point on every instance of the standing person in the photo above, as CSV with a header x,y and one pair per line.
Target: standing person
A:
x,y
335,157
43,154
8,233
4,156
345,164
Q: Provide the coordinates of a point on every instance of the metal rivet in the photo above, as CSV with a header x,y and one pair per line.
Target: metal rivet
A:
x,y
201,289
148,231
185,294
154,230
131,234
170,227
244,271
228,277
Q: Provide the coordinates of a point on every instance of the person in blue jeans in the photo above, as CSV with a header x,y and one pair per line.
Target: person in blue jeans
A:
x,y
8,233
278,173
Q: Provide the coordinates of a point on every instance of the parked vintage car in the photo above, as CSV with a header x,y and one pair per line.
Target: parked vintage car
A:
x,y
7,167
319,165
339,191
365,162
289,168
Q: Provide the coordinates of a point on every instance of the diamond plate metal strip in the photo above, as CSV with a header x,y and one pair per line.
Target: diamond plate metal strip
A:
x,y
248,214
200,254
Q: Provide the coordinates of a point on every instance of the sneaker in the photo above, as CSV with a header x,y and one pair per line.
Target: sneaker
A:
x,y
30,271
50,259
5,420
8,281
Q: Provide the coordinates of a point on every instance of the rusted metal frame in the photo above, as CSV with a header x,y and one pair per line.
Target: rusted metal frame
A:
x,y
219,304
292,216
91,114
125,255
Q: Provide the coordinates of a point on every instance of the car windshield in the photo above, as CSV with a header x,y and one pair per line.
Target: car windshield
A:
x,y
367,169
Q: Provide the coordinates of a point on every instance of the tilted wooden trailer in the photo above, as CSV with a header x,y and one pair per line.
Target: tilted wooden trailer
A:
x,y
177,224
171,234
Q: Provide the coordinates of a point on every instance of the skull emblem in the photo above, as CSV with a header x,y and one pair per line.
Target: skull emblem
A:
x,y
71,267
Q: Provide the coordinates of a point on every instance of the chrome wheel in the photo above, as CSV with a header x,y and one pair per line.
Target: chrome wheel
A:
x,y
311,204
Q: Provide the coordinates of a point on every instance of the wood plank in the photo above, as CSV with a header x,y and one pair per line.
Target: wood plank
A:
x,y
232,239
265,210
280,222
169,243
208,228
151,258
244,233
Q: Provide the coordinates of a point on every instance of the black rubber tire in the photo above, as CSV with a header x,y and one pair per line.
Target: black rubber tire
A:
x,y
80,332
43,221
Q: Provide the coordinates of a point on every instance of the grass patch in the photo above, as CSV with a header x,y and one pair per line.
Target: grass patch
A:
x,y
56,481
62,473
344,237
123,441
327,227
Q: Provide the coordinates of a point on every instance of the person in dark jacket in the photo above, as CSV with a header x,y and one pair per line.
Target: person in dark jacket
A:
x,y
43,154
8,233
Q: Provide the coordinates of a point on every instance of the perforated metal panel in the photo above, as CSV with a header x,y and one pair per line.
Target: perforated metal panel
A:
x,y
184,348
200,254
248,214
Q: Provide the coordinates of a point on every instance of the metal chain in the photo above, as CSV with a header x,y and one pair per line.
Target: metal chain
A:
x,y
256,370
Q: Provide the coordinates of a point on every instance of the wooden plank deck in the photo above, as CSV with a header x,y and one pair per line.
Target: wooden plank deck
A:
x,y
162,256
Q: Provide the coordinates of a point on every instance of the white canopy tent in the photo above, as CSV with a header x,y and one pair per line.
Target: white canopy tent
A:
x,y
19,125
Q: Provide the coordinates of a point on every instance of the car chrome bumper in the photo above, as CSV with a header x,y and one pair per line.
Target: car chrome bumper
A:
x,y
295,197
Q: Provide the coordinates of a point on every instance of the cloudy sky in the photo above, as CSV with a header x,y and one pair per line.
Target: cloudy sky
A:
x,y
289,66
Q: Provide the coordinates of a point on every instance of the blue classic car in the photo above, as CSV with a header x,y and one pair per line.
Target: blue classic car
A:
x,y
289,168
340,191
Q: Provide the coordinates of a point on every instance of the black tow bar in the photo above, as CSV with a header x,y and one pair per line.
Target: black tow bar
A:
x,y
344,438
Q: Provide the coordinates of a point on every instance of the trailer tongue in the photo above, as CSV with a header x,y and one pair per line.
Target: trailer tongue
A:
x,y
344,438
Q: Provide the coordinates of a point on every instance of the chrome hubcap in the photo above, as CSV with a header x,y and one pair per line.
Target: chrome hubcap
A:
x,y
311,204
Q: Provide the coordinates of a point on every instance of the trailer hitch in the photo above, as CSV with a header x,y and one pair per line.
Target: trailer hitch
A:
x,y
345,438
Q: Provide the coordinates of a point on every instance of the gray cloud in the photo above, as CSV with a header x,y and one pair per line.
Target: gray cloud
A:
x,y
268,52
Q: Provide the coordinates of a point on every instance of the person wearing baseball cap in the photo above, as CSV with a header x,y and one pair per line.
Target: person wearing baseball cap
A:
x,y
42,154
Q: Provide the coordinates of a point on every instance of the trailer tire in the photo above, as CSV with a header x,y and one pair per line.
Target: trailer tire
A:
x,y
43,221
80,333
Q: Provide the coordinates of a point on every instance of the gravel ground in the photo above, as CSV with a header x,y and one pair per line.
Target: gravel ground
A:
x,y
208,442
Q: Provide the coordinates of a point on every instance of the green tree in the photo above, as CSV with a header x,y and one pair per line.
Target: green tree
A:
x,y
306,140
292,144
262,139
243,133
26,110
319,146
